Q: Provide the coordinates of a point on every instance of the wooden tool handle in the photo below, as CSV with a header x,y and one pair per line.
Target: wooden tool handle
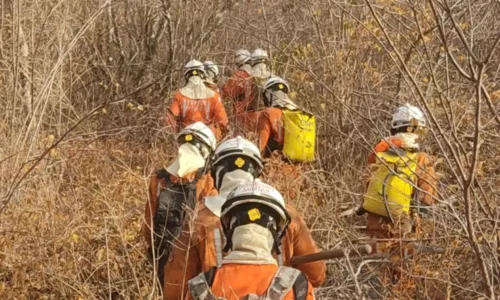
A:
x,y
335,253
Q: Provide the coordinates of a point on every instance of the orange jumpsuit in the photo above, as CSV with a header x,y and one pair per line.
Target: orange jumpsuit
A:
x,y
242,91
270,130
426,181
201,256
204,187
234,281
184,111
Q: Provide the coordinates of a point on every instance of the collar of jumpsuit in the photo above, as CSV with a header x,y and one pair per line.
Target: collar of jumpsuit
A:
x,y
280,99
195,89
260,70
189,159
230,181
408,140
252,245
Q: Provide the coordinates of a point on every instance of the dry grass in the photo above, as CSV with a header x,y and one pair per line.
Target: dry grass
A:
x,y
83,88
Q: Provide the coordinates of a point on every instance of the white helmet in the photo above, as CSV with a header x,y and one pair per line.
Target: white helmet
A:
x,y
200,132
242,56
277,81
259,56
193,67
236,154
408,115
211,70
256,192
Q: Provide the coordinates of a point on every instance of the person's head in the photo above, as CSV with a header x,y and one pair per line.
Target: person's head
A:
x,y
255,205
242,57
211,71
408,119
194,68
259,56
196,144
235,156
275,93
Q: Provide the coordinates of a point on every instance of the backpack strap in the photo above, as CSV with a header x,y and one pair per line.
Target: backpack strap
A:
x,y
280,257
282,283
300,287
218,246
199,286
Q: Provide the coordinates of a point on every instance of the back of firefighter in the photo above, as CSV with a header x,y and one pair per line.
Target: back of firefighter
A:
x,y
254,220
236,161
270,130
195,102
187,175
242,89
407,125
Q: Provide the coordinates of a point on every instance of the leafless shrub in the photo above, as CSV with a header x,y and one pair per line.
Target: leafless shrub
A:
x,y
83,92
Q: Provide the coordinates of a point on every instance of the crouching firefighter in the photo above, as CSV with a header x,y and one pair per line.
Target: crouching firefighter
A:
x,y
174,191
254,220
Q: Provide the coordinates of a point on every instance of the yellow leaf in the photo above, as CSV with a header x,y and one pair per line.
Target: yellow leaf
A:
x,y
104,110
51,138
75,237
293,94
140,107
130,105
426,80
323,106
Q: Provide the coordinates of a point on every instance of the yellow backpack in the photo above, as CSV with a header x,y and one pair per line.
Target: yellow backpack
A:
x,y
300,135
391,184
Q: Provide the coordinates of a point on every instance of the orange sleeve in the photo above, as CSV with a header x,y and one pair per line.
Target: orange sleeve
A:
x,y
264,128
427,179
303,244
383,146
150,209
205,187
230,90
219,112
184,264
173,114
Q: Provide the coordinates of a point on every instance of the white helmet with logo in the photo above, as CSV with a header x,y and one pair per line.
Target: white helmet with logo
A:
x,y
200,132
194,67
242,56
236,154
259,56
211,70
256,192
277,82
408,115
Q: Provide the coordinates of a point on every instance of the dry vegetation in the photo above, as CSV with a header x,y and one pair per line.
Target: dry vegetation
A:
x,y
84,85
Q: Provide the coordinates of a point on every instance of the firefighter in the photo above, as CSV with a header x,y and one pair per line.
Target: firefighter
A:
x,y
254,220
241,91
211,75
195,102
402,184
176,189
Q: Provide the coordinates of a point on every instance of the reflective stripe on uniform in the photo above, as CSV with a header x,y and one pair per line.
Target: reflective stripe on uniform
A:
x,y
282,283
280,257
207,111
184,108
218,246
